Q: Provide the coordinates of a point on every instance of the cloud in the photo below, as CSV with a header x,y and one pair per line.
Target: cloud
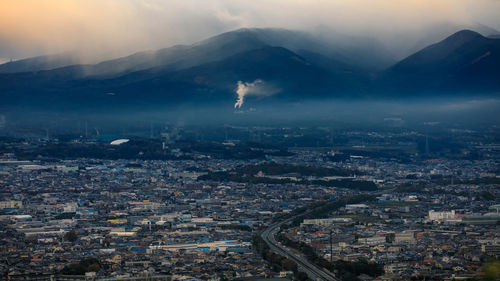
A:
x,y
96,29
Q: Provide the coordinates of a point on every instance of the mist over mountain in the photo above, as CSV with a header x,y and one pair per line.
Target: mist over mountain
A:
x,y
38,63
363,52
403,43
297,65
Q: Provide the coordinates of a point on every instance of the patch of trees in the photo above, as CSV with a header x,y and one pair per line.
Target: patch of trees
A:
x,y
449,180
63,216
140,149
241,227
70,236
80,268
147,150
491,270
339,157
348,183
237,177
221,151
282,169
321,209
487,196
424,188
438,145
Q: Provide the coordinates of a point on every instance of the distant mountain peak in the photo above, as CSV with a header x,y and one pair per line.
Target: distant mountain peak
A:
x,y
463,36
464,61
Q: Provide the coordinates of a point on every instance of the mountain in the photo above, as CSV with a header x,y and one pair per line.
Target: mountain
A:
x,y
465,62
369,53
181,56
233,42
291,76
38,63
176,57
404,44
348,50
176,74
276,66
294,65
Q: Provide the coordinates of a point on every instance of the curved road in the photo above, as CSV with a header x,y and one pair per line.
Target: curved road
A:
x,y
313,271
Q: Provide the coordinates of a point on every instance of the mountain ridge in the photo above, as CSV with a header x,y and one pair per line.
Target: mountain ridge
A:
x,y
464,61
208,71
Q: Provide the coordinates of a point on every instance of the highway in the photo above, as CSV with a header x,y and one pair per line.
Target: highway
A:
x,y
313,271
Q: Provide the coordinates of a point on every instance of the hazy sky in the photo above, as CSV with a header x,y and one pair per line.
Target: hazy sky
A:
x,y
112,28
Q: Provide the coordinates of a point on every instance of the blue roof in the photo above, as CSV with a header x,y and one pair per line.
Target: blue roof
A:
x,y
137,249
237,249
87,210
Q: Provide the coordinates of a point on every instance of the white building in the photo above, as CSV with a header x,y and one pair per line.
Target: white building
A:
x,y
355,206
442,216
372,241
10,204
328,221
405,237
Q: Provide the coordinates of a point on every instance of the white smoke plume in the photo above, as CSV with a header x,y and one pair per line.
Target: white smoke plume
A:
x,y
243,90
255,88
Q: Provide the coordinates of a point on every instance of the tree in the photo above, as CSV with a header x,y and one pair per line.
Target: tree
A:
x,y
301,276
83,266
390,237
491,270
95,267
289,265
487,196
70,236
